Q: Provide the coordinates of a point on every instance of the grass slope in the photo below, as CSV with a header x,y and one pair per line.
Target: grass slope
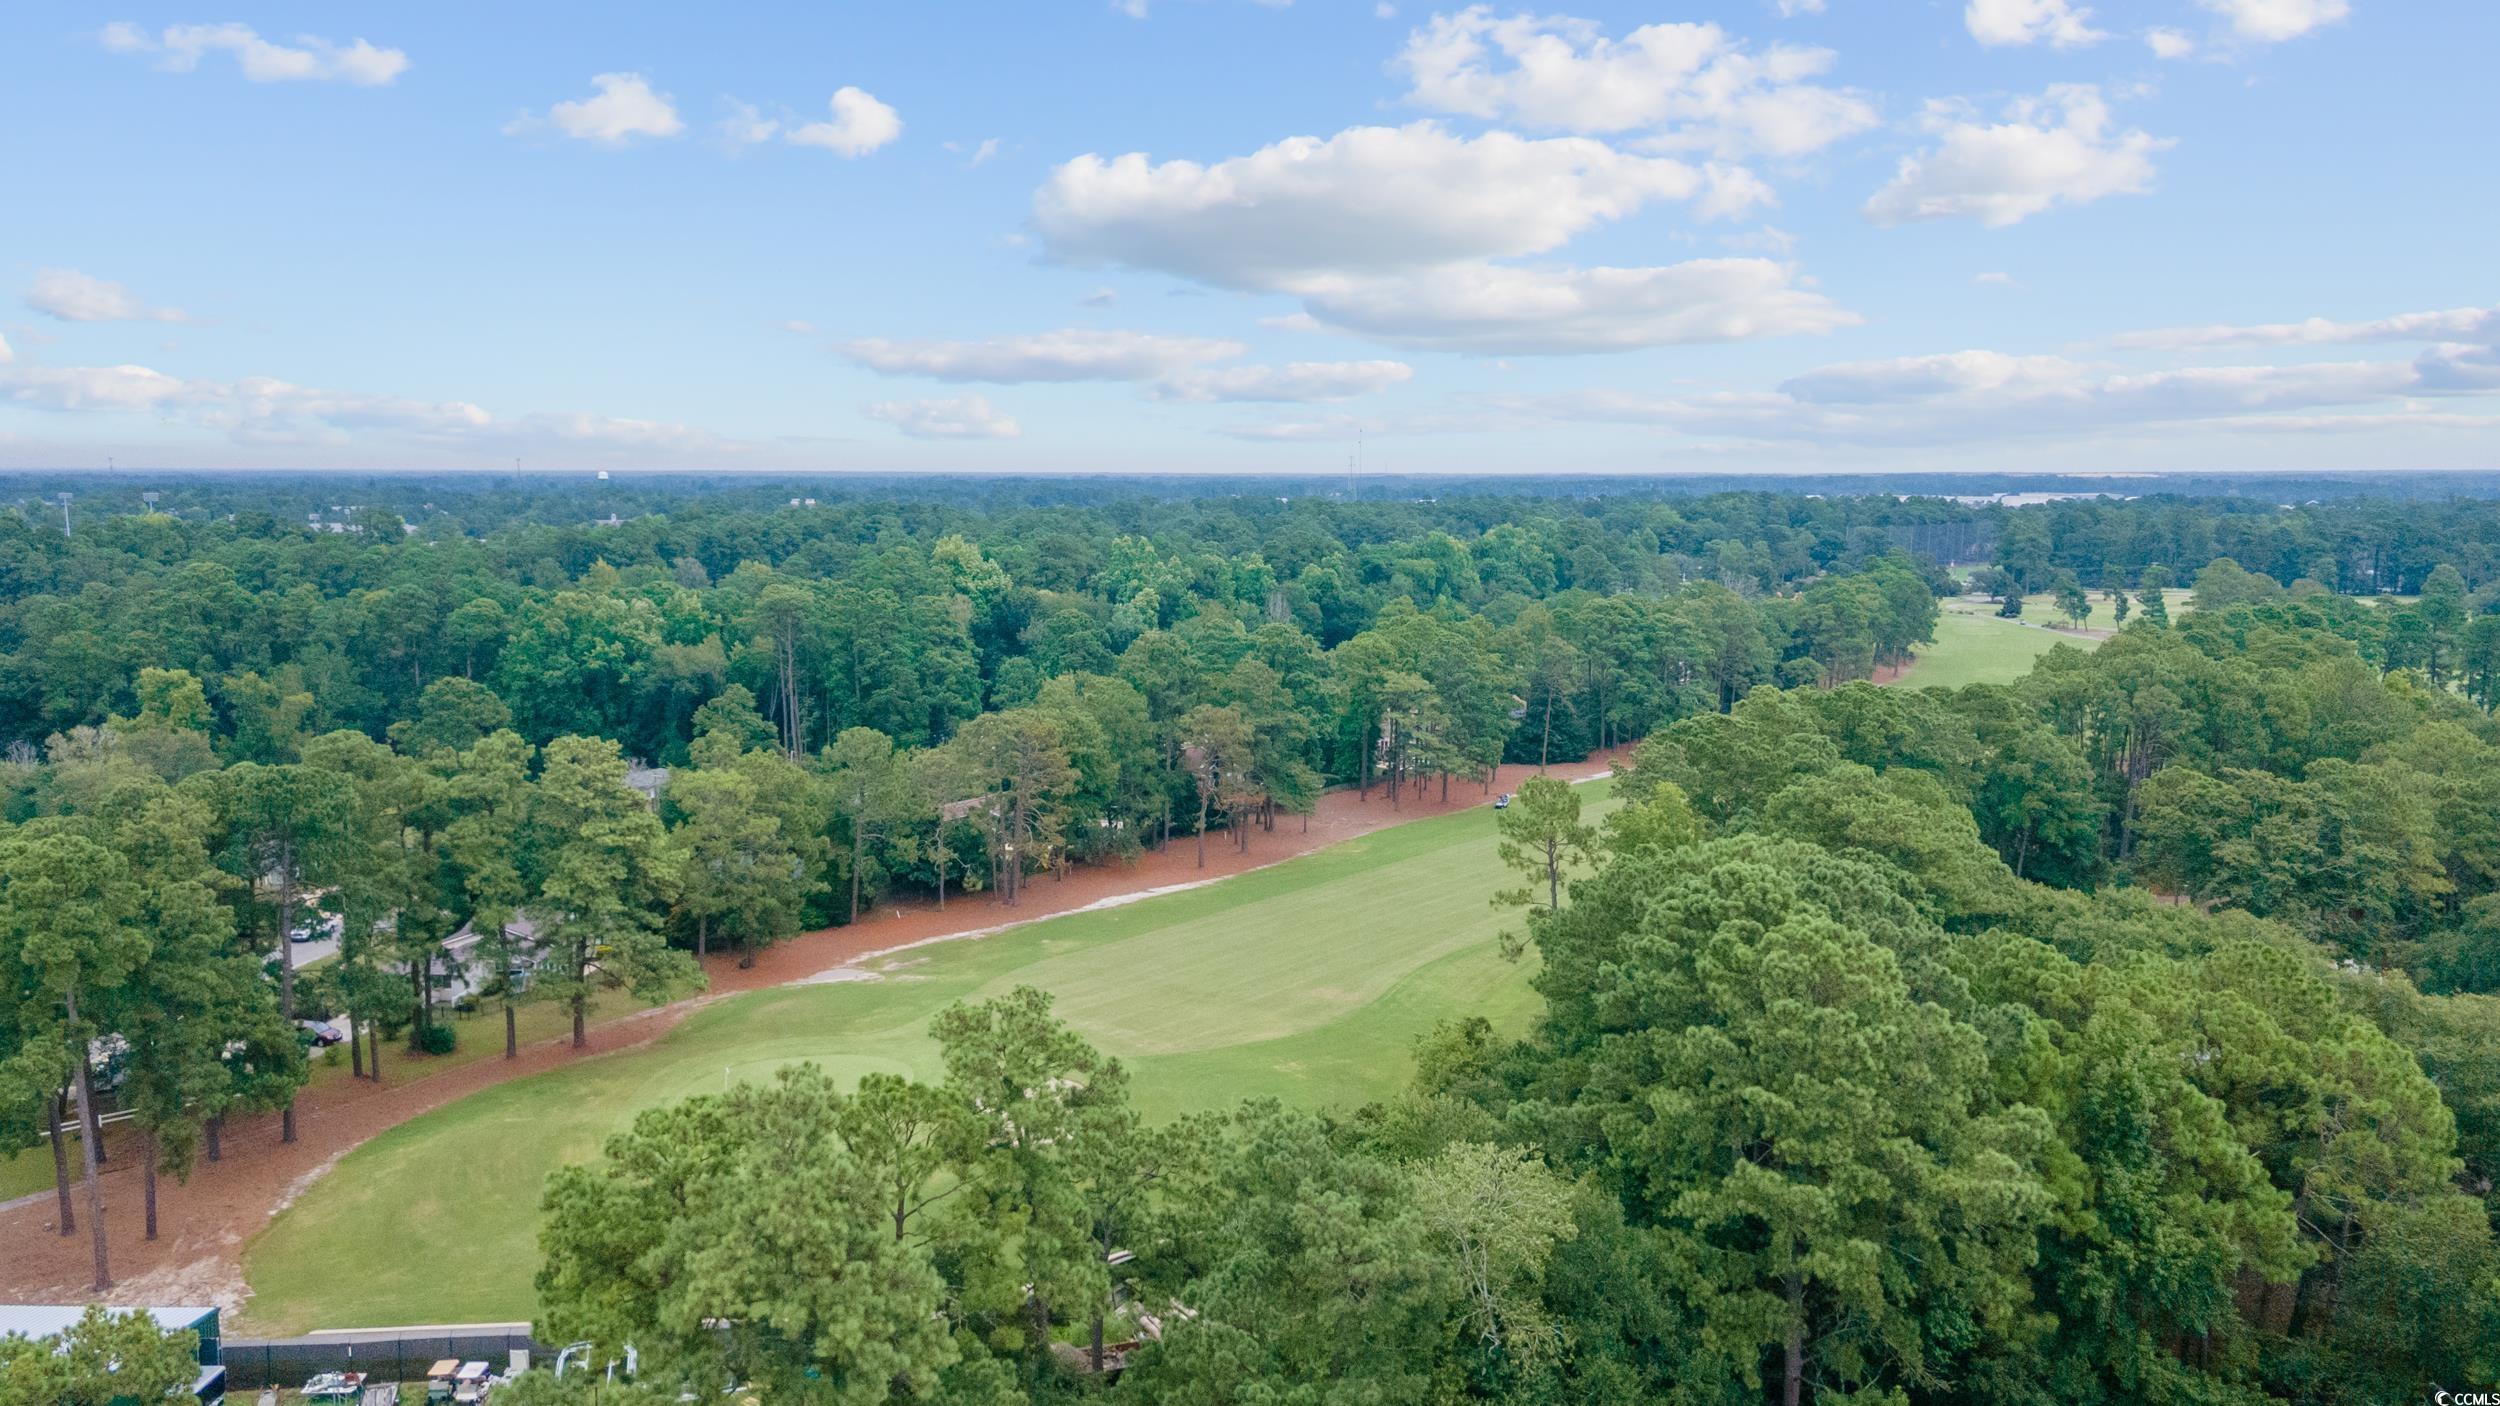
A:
x,y
1306,981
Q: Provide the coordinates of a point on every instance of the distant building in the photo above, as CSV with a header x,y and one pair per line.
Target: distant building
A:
x,y
464,970
649,780
52,1320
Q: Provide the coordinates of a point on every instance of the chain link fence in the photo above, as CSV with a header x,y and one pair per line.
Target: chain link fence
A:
x,y
386,1354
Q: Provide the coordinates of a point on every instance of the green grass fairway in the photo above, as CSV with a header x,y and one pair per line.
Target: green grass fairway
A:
x,y
1974,648
1973,645
1306,981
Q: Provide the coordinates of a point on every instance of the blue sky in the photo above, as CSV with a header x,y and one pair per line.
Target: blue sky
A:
x,y
1175,235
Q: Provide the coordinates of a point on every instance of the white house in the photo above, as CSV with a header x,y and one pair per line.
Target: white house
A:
x,y
464,970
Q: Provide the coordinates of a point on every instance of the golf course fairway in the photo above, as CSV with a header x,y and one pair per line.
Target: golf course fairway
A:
x,y
1306,981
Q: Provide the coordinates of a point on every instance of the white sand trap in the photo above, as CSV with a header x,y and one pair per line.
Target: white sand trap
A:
x,y
835,974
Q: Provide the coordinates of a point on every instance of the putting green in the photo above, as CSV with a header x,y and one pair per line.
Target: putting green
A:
x,y
1306,981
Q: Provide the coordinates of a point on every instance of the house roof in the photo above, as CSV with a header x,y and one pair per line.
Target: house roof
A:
x,y
524,927
44,1320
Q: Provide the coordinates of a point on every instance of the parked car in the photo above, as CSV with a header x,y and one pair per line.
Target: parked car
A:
x,y
324,1033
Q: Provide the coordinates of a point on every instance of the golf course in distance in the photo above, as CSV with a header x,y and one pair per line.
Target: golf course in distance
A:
x,y
1974,644
1306,981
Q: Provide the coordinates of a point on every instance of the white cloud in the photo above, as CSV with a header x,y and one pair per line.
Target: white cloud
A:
x,y
2065,25
746,125
860,125
1325,427
2273,21
266,410
179,49
799,327
1981,396
88,387
963,417
1692,83
1996,280
1392,232
2451,325
625,108
977,154
1790,9
1101,298
2453,367
1498,309
72,296
1073,354
1921,377
7,354
1168,368
2169,43
1368,198
2056,148
1302,381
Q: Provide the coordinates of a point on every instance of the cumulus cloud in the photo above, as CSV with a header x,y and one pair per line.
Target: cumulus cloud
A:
x,y
89,387
2273,21
1999,22
1692,84
267,410
2058,148
2454,368
72,296
1502,309
624,108
2451,325
179,49
963,417
1072,354
2169,43
1368,198
1300,381
860,124
7,354
1394,232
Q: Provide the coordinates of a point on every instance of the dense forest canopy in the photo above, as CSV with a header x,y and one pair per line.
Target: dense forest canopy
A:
x,y
2118,1034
